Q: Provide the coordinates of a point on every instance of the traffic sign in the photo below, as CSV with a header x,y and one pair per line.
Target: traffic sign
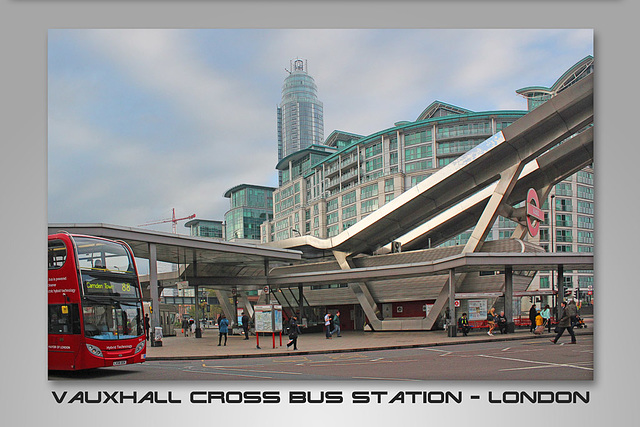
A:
x,y
534,213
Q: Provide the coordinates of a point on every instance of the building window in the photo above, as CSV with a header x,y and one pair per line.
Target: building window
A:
x,y
585,237
349,198
563,205
585,177
564,236
420,152
563,220
544,283
369,191
417,138
369,205
332,218
333,230
416,179
585,207
373,150
419,166
371,165
388,185
564,189
585,222
585,192
349,212
393,158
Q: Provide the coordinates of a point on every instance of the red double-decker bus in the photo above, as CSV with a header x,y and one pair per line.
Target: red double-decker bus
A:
x,y
96,317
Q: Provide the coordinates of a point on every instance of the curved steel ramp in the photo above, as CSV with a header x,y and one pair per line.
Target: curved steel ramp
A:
x,y
498,161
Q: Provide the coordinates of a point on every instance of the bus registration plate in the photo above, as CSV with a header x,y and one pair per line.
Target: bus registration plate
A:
x,y
119,362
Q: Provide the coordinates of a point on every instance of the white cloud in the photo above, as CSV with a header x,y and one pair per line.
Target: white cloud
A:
x,y
159,118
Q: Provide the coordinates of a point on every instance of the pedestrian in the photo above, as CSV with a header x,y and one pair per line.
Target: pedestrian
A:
x,y
564,323
491,320
192,326
294,331
185,327
147,325
327,325
533,312
572,308
336,324
463,324
546,315
539,324
501,322
223,329
245,325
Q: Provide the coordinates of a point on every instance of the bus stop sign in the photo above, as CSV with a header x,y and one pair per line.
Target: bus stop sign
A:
x,y
534,213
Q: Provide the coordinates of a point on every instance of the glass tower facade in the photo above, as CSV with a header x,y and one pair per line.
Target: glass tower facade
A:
x,y
251,205
300,114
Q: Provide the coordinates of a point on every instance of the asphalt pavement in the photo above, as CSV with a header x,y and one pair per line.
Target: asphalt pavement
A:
x,y
180,347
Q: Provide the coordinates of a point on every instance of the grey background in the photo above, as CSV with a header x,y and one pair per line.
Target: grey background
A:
x,y
26,393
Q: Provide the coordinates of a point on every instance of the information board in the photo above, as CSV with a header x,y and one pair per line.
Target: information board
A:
x,y
277,318
263,321
477,309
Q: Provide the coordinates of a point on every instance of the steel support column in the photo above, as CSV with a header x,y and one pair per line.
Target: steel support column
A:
x,y
153,285
452,325
560,289
508,295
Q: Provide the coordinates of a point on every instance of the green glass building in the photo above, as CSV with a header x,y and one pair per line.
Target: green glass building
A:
x,y
251,205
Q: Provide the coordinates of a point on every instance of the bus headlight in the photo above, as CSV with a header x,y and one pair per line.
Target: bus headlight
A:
x,y
94,350
140,346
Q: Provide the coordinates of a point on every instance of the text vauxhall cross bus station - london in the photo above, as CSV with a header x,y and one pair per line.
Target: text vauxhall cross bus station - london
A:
x,y
95,310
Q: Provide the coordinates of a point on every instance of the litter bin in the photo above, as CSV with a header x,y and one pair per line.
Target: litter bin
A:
x,y
157,337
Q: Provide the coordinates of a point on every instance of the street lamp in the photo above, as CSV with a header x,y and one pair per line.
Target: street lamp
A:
x,y
293,230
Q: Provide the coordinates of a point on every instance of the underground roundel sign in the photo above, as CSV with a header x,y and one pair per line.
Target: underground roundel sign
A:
x,y
534,213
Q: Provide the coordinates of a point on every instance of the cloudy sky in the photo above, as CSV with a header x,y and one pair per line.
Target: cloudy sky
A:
x,y
143,121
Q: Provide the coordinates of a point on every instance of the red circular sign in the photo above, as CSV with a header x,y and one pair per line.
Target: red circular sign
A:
x,y
534,213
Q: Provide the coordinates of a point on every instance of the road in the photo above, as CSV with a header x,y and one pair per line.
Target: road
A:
x,y
531,359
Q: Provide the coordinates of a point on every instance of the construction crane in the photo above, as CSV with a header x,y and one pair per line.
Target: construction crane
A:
x,y
173,220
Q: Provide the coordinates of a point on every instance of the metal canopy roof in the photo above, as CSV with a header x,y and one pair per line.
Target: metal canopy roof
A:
x,y
462,263
182,249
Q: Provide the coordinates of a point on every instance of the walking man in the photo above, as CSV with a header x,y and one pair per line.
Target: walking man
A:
x,y
294,331
336,323
327,325
147,325
564,323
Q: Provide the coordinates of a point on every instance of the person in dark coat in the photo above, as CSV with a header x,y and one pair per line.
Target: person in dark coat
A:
x,y
147,325
533,313
501,321
564,323
294,331
245,325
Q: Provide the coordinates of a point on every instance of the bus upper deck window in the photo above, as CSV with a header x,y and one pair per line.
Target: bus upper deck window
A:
x,y
57,254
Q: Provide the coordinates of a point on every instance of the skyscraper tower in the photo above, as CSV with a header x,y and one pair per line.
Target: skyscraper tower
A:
x,y
300,116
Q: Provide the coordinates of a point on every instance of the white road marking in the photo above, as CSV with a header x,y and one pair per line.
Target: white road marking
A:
x,y
535,361
444,352
225,368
